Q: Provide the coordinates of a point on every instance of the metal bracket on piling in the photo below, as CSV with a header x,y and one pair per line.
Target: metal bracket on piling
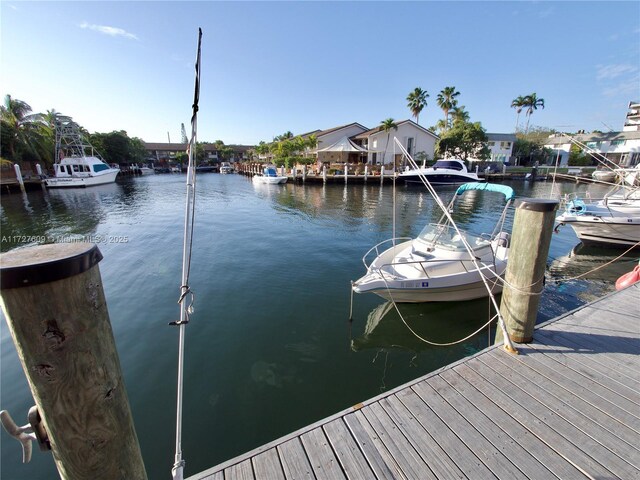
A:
x,y
25,434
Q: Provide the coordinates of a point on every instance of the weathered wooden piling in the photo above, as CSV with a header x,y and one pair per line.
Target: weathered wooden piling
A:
x,y
524,278
55,308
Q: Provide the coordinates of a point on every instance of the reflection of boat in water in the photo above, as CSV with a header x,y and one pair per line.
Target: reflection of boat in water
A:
x,y
584,259
437,265
385,328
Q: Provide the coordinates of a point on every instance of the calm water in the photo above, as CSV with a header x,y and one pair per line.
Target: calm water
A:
x,y
269,348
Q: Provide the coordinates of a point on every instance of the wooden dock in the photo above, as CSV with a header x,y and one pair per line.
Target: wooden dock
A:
x,y
567,407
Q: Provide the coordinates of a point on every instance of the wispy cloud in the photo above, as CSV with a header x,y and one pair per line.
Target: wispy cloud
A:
x,y
107,30
609,72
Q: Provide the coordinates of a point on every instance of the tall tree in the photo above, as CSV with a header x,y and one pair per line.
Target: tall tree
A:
x,y
417,101
21,131
459,114
532,102
386,126
518,103
447,101
464,140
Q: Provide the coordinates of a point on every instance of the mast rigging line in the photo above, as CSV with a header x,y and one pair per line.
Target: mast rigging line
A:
x,y
177,471
508,344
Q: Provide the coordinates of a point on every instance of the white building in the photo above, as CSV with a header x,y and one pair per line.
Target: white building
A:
x,y
416,139
622,148
501,147
632,122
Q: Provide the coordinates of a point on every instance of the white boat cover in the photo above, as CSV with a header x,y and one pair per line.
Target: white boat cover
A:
x,y
343,145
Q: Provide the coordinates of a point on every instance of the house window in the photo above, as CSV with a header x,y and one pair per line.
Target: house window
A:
x,y
374,157
505,145
410,145
375,143
615,143
492,144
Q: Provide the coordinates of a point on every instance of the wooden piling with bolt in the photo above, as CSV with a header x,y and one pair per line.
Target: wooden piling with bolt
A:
x,y
54,304
524,278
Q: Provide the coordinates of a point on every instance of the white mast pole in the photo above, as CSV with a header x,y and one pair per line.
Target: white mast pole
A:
x,y
178,466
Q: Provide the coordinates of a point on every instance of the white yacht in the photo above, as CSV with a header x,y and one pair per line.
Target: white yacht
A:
x,y
613,220
78,164
449,171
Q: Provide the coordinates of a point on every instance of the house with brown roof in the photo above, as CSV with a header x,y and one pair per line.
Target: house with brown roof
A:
x,y
419,142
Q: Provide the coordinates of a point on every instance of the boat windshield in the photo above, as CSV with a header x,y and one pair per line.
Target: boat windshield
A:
x,y
98,167
270,172
445,236
449,164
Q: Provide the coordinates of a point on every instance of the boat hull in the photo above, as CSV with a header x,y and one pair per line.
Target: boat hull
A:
x,y
623,231
81,182
269,180
436,178
455,293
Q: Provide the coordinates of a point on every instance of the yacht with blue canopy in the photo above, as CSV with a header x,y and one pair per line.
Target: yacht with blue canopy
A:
x,y
443,263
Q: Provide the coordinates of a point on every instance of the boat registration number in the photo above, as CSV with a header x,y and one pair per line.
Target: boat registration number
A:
x,y
416,285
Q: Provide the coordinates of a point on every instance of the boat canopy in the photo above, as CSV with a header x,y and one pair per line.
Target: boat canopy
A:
x,y
491,187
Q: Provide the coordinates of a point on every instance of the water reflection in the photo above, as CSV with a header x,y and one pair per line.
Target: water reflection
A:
x,y
405,328
594,263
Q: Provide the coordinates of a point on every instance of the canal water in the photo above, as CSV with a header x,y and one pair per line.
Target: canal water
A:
x,y
269,348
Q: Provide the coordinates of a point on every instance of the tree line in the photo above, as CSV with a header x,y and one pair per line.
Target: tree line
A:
x,y
26,136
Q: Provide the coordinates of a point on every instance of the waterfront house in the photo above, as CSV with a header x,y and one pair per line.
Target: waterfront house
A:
x,y
622,148
419,142
501,147
330,136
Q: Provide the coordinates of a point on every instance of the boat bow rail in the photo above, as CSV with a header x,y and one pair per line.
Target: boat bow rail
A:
x,y
375,249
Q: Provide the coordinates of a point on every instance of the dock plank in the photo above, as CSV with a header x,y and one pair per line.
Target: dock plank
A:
x,y
323,460
559,416
294,460
267,465
352,460
555,464
567,407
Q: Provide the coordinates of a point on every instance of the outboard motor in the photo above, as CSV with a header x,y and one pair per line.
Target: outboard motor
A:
x,y
504,239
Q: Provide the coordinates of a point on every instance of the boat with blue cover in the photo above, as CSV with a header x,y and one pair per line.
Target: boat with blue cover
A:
x,y
440,264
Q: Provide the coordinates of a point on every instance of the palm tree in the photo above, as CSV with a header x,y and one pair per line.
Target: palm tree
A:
x,y
532,102
386,126
447,101
459,114
518,103
21,130
417,101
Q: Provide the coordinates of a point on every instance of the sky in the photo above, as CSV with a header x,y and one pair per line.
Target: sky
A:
x,y
271,67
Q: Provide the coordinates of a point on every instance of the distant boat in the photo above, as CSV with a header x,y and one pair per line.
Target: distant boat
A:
x,y
206,169
225,167
78,163
443,172
269,175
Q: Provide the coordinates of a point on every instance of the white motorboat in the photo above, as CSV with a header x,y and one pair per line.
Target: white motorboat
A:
x,y
78,165
437,266
443,172
614,220
269,175
225,167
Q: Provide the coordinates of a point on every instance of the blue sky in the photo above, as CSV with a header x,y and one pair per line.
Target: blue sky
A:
x,y
269,67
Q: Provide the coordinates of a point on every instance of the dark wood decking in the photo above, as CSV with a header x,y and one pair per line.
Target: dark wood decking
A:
x,y
567,407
